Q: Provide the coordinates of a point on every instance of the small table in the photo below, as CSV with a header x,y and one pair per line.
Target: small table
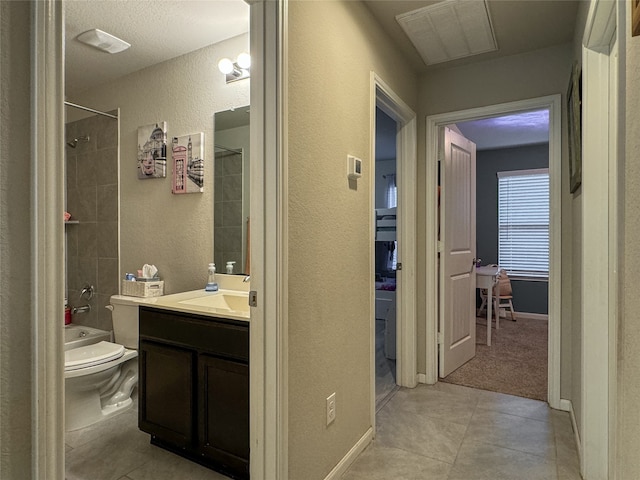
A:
x,y
487,277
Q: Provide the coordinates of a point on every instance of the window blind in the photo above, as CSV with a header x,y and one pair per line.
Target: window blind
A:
x,y
523,222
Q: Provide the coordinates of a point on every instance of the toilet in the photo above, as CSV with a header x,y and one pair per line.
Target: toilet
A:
x,y
100,377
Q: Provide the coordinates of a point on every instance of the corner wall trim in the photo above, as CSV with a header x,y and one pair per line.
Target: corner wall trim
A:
x,y
567,406
351,455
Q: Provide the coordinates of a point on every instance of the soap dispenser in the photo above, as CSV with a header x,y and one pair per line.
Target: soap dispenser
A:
x,y
212,286
230,267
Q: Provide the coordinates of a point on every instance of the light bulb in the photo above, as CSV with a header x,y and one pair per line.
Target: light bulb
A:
x,y
244,60
225,66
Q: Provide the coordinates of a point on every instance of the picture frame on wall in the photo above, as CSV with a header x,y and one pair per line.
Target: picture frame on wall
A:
x,y
152,151
574,116
187,152
635,18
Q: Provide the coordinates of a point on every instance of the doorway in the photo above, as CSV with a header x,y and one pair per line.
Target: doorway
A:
x,y
512,231
552,104
386,256
384,99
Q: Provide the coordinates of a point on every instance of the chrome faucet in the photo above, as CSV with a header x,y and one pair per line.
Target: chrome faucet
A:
x,y
87,291
81,309
246,279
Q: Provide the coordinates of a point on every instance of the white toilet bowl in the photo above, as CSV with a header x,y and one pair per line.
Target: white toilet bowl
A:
x,y
99,379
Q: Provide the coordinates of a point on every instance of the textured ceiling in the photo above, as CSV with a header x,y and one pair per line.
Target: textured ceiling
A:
x,y
519,25
157,30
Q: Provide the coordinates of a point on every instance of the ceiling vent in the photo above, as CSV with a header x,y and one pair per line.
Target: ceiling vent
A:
x,y
450,30
103,41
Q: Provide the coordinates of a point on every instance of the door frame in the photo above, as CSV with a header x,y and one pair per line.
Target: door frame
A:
x,y
602,138
267,341
434,122
268,361
390,103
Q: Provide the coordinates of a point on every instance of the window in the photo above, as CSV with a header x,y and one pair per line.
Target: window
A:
x,y
523,223
392,191
392,201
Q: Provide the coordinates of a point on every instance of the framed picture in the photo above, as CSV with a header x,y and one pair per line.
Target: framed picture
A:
x,y
152,151
635,17
188,164
574,115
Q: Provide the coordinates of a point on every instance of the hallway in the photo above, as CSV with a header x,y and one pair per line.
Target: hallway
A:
x,y
449,432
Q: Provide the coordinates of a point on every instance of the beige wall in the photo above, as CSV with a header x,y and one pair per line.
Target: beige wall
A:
x,y
16,390
572,346
333,46
518,77
174,232
628,389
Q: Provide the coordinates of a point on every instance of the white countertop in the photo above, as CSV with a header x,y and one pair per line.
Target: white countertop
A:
x,y
174,302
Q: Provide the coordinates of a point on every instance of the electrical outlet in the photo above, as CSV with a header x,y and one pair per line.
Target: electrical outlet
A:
x,y
331,408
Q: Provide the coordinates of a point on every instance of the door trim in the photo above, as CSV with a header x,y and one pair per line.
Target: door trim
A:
x,y
268,361
553,103
47,236
602,137
390,103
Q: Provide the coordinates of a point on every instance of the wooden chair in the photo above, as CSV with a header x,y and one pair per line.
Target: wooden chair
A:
x,y
502,297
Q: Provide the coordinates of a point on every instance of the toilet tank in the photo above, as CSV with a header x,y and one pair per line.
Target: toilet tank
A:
x,y
125,319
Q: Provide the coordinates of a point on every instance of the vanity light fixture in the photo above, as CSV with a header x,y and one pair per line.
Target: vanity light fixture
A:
x,y
237,70
103,41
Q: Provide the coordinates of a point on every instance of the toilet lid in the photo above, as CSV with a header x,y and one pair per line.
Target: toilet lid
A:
x,y
93,354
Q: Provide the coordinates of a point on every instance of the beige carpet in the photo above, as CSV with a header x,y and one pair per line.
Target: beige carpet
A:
x,y
515,363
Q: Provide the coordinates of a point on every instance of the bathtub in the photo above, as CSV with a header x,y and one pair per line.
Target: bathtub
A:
x,y
77,336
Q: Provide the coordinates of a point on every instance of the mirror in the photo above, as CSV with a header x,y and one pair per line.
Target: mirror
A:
x,y
231,199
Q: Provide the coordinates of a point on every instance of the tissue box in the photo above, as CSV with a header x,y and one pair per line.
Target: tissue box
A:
x,y
143,289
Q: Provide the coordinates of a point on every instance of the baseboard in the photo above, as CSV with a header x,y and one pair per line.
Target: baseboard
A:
x,y
350,457
532,316
567,406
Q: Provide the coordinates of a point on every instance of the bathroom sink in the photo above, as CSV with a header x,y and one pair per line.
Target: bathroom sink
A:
x,y
222,301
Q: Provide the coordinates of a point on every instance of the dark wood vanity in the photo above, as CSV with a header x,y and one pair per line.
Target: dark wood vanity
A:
x,y
194,387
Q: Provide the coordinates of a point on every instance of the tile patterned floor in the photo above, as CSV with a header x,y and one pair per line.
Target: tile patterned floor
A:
x,y
438,432
449,432
116,450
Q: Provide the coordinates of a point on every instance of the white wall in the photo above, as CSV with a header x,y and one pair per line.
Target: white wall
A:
x,y
174,232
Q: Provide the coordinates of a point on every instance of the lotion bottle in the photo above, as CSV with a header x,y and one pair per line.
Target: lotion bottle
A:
x,y
230,267
212,286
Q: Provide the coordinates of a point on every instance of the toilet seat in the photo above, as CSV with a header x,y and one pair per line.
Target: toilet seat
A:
x,y
90,355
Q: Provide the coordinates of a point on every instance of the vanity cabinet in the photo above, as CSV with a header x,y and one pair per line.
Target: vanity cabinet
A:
x,y
194,387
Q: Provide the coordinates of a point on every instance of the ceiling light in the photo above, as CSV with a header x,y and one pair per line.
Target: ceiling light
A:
x,y
237,70
103,41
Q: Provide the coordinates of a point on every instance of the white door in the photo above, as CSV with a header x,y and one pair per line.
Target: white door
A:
x,y
457,256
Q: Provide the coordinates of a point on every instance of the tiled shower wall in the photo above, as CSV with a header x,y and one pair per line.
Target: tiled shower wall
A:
x,y
227,234
92,200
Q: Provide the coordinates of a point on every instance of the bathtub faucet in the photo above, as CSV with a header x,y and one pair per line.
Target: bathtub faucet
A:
x,y
81,309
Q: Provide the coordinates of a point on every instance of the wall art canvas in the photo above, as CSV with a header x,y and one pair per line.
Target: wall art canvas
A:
x,y
188,163
152,151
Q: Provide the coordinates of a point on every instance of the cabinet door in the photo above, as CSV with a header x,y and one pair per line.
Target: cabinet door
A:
x,y
224,412
166,393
